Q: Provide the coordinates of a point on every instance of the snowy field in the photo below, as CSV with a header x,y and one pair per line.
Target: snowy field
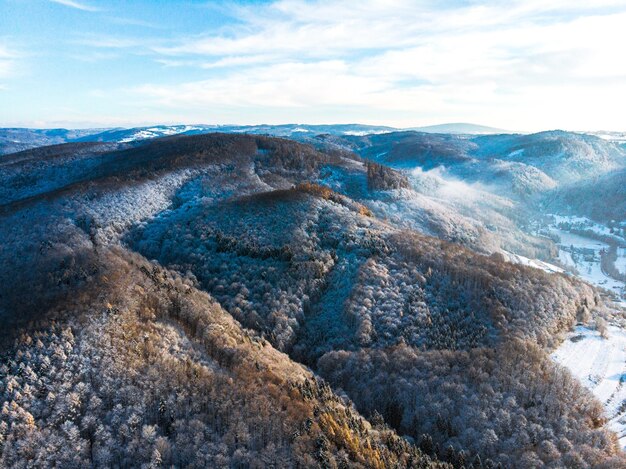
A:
x,y
600,365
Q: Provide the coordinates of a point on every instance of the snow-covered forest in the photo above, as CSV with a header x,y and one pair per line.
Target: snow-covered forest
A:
x,y
247,301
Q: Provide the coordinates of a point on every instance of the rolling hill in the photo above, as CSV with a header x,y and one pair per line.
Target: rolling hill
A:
x,y
233,299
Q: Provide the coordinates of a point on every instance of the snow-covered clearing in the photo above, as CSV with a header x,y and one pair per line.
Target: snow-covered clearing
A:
x,y
160,131
600,365
536,263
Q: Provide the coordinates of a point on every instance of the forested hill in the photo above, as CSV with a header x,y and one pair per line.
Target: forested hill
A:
x,y
239,301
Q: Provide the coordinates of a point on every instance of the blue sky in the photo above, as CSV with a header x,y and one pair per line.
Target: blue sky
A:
x,y
526,65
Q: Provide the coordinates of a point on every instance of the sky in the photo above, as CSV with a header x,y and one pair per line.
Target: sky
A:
x,y
516,65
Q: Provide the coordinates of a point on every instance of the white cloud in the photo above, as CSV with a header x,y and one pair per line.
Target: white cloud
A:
x,y
7,62
520,65
281,85
523,65
224,62
323,28
77,5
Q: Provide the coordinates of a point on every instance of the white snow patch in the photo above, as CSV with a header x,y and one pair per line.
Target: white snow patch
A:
x,y
141,135
536,263
620,262
154,132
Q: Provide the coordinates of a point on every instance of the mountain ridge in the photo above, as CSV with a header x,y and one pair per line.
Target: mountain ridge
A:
x,y
229,261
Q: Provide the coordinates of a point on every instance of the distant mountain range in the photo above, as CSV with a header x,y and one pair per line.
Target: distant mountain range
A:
x,y
18,139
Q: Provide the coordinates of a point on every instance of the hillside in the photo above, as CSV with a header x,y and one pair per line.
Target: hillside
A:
x,y
602,198
232,300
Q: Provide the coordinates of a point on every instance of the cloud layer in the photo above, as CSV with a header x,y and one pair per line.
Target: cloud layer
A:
x,y
500,63
523,65
7,63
